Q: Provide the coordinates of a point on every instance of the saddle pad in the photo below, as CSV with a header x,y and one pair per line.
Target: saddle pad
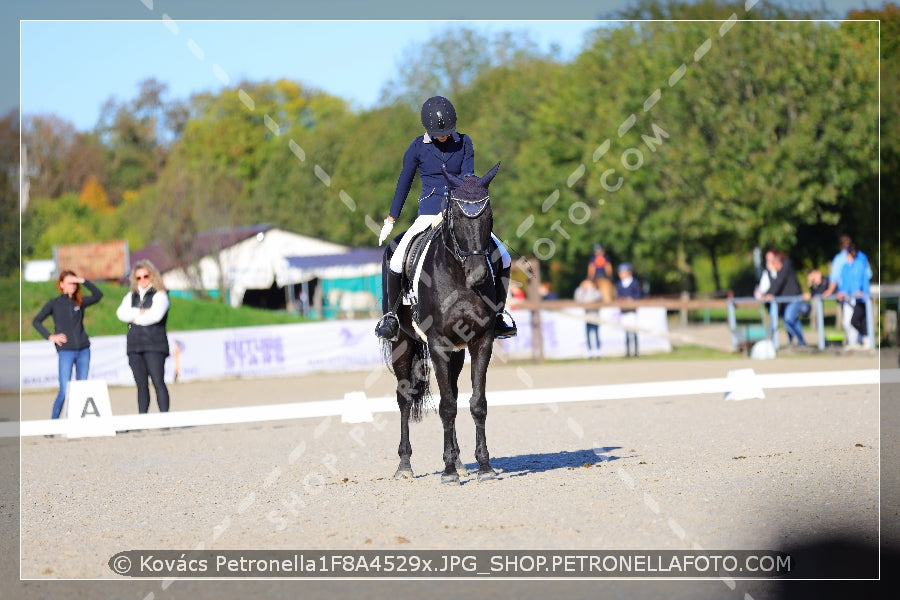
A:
x,y
418,273
419,248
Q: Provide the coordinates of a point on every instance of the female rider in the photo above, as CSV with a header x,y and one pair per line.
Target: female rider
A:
x,y
440,146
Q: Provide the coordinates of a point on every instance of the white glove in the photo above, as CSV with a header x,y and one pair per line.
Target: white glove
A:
x,y
385,231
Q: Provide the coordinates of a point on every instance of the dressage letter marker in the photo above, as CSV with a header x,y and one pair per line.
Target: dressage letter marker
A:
x,y
88,409
745,386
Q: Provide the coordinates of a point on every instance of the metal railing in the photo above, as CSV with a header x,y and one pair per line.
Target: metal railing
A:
x,y
818,304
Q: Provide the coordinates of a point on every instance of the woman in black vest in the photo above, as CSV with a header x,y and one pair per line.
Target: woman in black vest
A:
x,y
146,308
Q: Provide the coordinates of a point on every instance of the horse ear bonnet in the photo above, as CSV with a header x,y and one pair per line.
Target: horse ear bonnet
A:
x,y
438,117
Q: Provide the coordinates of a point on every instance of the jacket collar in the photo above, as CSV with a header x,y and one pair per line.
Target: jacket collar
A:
x,y
427,138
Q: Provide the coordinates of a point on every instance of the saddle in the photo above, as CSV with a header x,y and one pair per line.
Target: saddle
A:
x,y
412,263
414,253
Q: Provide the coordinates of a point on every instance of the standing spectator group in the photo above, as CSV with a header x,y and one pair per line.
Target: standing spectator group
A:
x,y
849,277
145,308
599,286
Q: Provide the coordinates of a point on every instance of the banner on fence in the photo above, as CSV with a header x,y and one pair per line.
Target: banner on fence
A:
x,y
328,346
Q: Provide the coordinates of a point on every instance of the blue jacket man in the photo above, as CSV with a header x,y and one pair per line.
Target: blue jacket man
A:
x,y
853,289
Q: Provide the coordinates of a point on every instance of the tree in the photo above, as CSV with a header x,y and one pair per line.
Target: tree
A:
x,y
450,61
94,197
138,135
190,202
59,158
9,206
867,223
781,143
238,129
740,149
49,141
714,9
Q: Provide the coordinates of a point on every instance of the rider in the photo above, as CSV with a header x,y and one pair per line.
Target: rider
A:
x,y
440,146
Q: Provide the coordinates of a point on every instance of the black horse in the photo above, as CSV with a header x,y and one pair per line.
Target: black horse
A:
x,y
454,309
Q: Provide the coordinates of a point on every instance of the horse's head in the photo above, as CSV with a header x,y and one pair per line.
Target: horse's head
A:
x,y
469,220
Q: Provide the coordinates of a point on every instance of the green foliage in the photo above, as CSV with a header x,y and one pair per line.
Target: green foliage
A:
x,y
680,145
65,220
9,205
861,215
714,9
740,150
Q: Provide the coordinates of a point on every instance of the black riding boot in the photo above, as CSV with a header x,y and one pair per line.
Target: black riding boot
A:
x,y
388,327
502,329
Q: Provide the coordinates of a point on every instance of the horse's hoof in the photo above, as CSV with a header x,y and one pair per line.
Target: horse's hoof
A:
x,y
403,474
487,476
451,478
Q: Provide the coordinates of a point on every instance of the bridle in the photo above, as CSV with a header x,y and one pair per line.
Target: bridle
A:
x,y
472,209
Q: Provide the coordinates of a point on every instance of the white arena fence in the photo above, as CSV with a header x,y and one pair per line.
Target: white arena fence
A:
x,y
356,407
328,346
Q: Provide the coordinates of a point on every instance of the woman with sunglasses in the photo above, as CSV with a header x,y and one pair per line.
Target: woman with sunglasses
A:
x,y
146,309
71,341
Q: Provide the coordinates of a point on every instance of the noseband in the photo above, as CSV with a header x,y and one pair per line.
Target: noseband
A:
x,y
472,209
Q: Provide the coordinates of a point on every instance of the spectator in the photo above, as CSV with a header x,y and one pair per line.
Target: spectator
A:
x,y
600,270
629,287
73,347
786,283
818,284
516,294
146,309
837,265
766,276
853,291
587,292
547,292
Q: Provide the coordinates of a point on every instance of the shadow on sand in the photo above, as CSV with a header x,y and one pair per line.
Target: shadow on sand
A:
x,y
525,464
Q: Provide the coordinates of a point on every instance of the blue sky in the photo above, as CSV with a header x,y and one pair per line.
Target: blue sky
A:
x,y
71,68
72,61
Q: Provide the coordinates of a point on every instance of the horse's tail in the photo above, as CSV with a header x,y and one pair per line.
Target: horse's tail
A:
x,y
418,390
422,377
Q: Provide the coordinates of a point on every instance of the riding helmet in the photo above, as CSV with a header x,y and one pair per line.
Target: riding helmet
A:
x,y
438,117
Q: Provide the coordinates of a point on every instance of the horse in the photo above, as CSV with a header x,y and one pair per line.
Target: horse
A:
x,y
454,310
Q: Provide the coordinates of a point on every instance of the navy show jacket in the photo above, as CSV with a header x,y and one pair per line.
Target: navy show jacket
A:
x,y
427,156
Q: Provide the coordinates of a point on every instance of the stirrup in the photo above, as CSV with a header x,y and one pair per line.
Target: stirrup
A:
x,y
388,327
501,329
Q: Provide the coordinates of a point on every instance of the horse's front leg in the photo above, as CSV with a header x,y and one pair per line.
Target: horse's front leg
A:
x,y
457,359
481,357
404,450
441,359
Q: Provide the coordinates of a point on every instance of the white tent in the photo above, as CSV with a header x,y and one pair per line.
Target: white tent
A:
x,y
355,262
254,262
